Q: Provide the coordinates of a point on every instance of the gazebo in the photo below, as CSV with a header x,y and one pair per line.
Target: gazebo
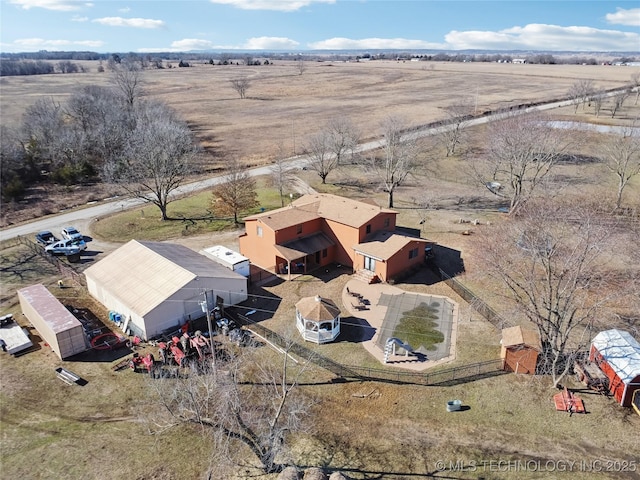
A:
x,y
318,319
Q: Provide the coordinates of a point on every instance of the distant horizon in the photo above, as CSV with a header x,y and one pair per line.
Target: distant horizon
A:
x,y
335,52
305,26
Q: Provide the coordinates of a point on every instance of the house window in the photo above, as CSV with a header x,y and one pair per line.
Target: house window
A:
x,y
299,229
369,228
386,222
259,231
413,253
324,253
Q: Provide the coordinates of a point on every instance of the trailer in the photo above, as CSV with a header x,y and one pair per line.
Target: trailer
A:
x,y
590,375
228,258
57,326
15,338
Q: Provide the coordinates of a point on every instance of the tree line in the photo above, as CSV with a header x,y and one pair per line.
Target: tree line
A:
x,y
38,67
100,134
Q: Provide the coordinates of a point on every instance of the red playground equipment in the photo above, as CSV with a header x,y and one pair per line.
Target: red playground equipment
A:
x,y
139,363
567,402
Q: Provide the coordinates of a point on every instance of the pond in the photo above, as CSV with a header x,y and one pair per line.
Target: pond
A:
x,y
596,128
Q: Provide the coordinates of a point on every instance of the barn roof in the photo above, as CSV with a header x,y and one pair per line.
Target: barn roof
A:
x,y
317,309
514,336
144,274
621,351
342,210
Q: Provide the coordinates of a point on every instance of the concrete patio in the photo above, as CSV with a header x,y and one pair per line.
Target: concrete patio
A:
x,y
378,299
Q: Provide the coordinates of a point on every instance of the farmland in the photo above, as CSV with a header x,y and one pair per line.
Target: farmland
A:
x,y
365,429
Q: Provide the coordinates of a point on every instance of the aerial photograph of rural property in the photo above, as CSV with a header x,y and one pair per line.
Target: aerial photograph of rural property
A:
x,y
319,239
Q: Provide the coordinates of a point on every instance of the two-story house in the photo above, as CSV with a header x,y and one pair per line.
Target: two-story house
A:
x,y
319,229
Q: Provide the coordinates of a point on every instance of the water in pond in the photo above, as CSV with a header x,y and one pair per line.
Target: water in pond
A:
x,y
593,127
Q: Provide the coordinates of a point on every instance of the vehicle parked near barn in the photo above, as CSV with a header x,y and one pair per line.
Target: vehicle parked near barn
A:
x,y
71,233
46,238
66,247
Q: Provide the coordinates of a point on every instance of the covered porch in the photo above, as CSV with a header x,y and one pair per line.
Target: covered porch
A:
x,y
304,255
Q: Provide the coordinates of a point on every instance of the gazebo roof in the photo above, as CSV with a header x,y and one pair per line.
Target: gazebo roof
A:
x,y
317,309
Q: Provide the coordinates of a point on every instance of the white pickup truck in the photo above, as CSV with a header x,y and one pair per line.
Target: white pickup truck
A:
x,y
66,247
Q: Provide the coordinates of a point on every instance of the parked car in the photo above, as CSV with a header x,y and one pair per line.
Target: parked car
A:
x,y
66,247
71,233
45,238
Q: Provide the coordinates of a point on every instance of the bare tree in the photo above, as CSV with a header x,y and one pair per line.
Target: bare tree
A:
x,y
397,159
618,101
553,263
523,148
42,125
96,112
241,85
343,138
597,99
157,157
126,76
320,156
580,92
621,155
301,66
248,406
328,148
281,173
635,84
451,134
236,193
425,203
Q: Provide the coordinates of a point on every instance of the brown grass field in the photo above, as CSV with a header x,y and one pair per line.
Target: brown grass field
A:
x,y
367,430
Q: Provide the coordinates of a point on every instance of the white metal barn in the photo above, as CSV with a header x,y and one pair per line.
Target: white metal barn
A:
x,y
157,286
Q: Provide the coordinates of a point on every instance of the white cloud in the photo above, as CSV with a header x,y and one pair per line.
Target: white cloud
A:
x,y
270,43
124,10
629,17
278,5
60,5
545,37
257,43
187,44
28,44
78,18
130,22
338,43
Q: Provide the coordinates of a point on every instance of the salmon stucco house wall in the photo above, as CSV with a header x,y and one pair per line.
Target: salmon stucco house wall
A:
x,y
319,229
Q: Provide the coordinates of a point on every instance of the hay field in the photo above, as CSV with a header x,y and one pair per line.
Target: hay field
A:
x,y
283,108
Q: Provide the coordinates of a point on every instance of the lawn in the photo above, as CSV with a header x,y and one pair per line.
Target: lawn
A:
x,y
144,223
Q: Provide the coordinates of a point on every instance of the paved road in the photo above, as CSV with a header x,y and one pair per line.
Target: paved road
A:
x,y
82,215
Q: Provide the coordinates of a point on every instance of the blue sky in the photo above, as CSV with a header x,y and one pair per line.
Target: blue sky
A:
x,y
300,25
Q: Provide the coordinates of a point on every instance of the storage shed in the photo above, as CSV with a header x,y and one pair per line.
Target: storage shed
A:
x,y
520,349
55,323
617,354
228,258
157,286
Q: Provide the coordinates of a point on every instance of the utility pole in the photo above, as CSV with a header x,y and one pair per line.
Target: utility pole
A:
x,y
205,306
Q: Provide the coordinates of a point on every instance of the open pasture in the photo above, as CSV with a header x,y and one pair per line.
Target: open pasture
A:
x,y
283,107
